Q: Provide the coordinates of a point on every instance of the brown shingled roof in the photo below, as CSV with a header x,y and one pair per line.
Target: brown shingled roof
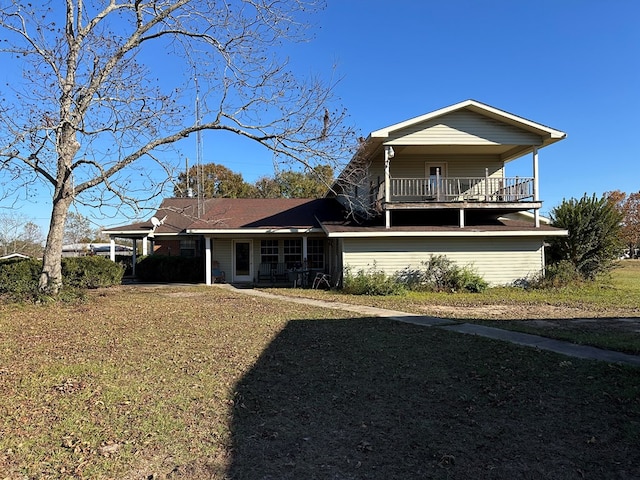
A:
x,y
267,213
236,213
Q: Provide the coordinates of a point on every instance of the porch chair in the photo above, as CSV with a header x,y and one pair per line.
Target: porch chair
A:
x,y
217,275
321,279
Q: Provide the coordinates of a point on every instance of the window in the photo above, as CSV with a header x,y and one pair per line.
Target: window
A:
x,y
293,253
315,253
269,251
188,248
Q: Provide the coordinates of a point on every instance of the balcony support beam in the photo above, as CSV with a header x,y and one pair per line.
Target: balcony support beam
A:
x,y
461,218
536,187
388,155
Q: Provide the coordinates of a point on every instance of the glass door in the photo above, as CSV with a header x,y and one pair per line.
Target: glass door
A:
x,y
242,265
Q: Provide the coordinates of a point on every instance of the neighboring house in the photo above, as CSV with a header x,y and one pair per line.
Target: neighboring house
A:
x,y
14,256
101,249
434,184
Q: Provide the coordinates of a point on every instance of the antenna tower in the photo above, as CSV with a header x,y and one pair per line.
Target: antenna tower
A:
x,y
199,169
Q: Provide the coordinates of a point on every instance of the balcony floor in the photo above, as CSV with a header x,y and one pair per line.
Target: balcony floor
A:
x,y
465,205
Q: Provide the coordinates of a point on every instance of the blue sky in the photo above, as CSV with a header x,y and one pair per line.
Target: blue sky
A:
x,y
573,65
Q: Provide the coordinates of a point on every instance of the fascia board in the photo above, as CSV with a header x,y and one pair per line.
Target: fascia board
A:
x,y
462,234
480,108
252,231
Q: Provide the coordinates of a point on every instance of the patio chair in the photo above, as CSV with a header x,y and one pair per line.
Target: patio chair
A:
x,y
321,279
217,275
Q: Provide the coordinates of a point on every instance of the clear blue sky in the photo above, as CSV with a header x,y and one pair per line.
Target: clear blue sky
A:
x,y
573,65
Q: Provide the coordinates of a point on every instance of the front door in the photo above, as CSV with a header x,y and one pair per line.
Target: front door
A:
x,y
242,264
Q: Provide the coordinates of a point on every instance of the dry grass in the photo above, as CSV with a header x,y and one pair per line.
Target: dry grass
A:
x,y
604,314
196,382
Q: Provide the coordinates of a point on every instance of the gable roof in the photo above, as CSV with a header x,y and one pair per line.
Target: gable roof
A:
x,y
230,215
225,215
496,131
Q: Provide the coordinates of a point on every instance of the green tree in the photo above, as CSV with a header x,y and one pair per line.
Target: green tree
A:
x,y
313,183
91,116
629,207
267,187
593,244
214,181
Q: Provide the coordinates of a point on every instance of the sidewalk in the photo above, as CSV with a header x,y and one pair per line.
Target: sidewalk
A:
x,y
525,339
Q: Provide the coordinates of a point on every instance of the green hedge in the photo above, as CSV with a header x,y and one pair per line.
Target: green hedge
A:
x,y
19,278
163,268
91,272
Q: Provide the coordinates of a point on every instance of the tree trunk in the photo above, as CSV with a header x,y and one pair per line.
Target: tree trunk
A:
x,y
51,276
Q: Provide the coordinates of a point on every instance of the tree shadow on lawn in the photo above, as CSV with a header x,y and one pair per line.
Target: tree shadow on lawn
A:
x,y
377,399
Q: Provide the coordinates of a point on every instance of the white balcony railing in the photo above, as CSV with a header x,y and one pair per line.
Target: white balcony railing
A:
x,y
460,189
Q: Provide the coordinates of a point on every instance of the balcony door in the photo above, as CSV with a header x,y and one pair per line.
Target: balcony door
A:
x,y
435,172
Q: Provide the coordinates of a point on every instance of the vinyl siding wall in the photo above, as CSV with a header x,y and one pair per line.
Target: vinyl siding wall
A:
x,y
499,261
463,128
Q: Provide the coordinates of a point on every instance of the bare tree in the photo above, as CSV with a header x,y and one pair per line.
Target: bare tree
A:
x,y
91,109
18,234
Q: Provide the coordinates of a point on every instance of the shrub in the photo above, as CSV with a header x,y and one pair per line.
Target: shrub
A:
x,y
19,278
556,275
371,282
91,272
162,268
593,245
441,274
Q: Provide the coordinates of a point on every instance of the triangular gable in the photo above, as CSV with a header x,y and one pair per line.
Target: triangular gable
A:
x,y
462,127
493,119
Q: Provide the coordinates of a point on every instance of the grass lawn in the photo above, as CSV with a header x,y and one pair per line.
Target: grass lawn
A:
x,y
588,314
207,383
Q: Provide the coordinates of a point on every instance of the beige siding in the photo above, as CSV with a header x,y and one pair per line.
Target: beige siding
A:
x,y
498,260
463,128
457,166
221,251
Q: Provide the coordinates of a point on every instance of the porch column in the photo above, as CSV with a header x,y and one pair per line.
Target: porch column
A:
x,y
207,260
144,246
462,218
304,249
536,187
133,257
112,249
388,155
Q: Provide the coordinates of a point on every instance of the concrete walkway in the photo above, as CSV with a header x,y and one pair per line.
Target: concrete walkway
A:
x,y
525,339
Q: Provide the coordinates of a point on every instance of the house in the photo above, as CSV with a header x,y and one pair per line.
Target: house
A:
x,y
14,256
434,184
100,249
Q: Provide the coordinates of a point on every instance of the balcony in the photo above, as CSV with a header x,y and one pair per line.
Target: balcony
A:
x,y
459,190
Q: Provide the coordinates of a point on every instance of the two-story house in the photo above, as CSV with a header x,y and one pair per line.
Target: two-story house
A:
x,y
432,185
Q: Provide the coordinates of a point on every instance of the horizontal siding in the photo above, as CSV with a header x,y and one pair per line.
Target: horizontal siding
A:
x,y
457,166
500,261
464,128
222,253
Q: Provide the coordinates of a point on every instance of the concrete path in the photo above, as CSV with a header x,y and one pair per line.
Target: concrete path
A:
x,y
525,339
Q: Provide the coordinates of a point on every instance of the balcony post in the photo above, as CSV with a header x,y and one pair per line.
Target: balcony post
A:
x,y
461,218
536,187
486,185
388,155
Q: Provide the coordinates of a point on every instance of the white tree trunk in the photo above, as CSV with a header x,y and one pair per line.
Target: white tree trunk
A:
x,y
51,276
